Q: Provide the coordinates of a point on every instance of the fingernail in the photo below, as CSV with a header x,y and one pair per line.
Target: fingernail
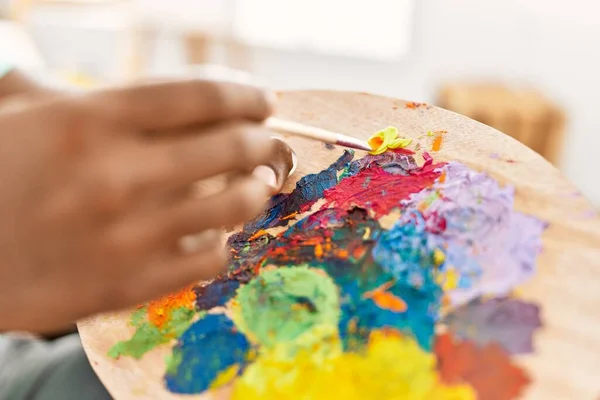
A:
x,y
267,175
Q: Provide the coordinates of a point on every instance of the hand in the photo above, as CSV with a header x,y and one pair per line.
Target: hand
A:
x,y
91,205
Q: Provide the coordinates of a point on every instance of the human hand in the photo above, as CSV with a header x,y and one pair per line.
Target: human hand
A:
x,y
91,206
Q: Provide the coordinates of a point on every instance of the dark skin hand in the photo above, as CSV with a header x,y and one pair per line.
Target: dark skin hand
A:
x,y
94,202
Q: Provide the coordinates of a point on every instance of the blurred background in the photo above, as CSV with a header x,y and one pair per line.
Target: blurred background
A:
x,y
526,67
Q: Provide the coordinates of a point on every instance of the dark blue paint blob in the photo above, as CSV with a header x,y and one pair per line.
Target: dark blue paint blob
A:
x,y
216,293
209,346
308,190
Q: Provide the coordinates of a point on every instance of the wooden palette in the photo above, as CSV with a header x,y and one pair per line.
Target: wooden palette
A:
x,y
567,348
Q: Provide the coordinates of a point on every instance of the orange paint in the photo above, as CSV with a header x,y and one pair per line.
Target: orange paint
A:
x,y
437,143
257,235
375,142
442,177
414,105
390,302
291,216
342,253
463,362
159,311
385,299
319,251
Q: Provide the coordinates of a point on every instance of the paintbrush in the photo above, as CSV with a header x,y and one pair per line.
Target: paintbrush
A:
x,y
310,132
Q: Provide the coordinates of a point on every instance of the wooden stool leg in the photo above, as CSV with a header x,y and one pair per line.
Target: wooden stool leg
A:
x,y
197,48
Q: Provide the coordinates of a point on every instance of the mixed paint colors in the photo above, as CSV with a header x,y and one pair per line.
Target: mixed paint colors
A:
x,y
382,277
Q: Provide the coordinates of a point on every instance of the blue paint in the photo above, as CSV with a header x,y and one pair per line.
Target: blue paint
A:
x,y
208,347
417,321
406,251
308,190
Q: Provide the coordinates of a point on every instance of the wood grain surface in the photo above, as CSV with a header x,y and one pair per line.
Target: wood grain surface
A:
x,y
566,362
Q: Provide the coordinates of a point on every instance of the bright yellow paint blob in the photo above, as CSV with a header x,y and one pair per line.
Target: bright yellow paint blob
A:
x,y
393,367
386,139
438,257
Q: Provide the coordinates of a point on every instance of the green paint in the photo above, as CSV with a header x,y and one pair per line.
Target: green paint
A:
x,y
138,317
148,336
173,360
290,304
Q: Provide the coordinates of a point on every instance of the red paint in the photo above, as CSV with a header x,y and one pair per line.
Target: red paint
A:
x,y
379,191
487,369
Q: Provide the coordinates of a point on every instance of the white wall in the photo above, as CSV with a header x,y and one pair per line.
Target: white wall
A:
x,y
550,43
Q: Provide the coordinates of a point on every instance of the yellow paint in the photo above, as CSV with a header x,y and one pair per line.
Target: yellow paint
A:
x,y
388,138
438,257
448,279
393,367
367,233
225,377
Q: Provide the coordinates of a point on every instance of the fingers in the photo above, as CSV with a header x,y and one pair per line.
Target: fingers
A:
x,y
238,203
282,161
268,176
183,103
171,272
281,164
223,148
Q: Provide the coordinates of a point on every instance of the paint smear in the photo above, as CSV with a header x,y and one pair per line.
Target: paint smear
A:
x,y
509,322
159,311
308,190
487,369
437,143
380,187
493,247
376,374
209,347
345,302
281,305
148,336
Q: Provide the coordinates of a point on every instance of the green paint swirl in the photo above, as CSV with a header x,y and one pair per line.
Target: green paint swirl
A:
x,y
290,305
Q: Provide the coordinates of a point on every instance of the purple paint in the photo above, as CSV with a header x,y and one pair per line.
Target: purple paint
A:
x,y
508,322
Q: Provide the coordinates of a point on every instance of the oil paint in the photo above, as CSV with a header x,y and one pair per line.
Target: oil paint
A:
x,y
390,277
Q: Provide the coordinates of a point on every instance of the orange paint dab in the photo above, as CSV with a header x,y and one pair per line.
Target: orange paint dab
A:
x,y
319,251
386,300
159,311
257,235
442,177
437,143
292,215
